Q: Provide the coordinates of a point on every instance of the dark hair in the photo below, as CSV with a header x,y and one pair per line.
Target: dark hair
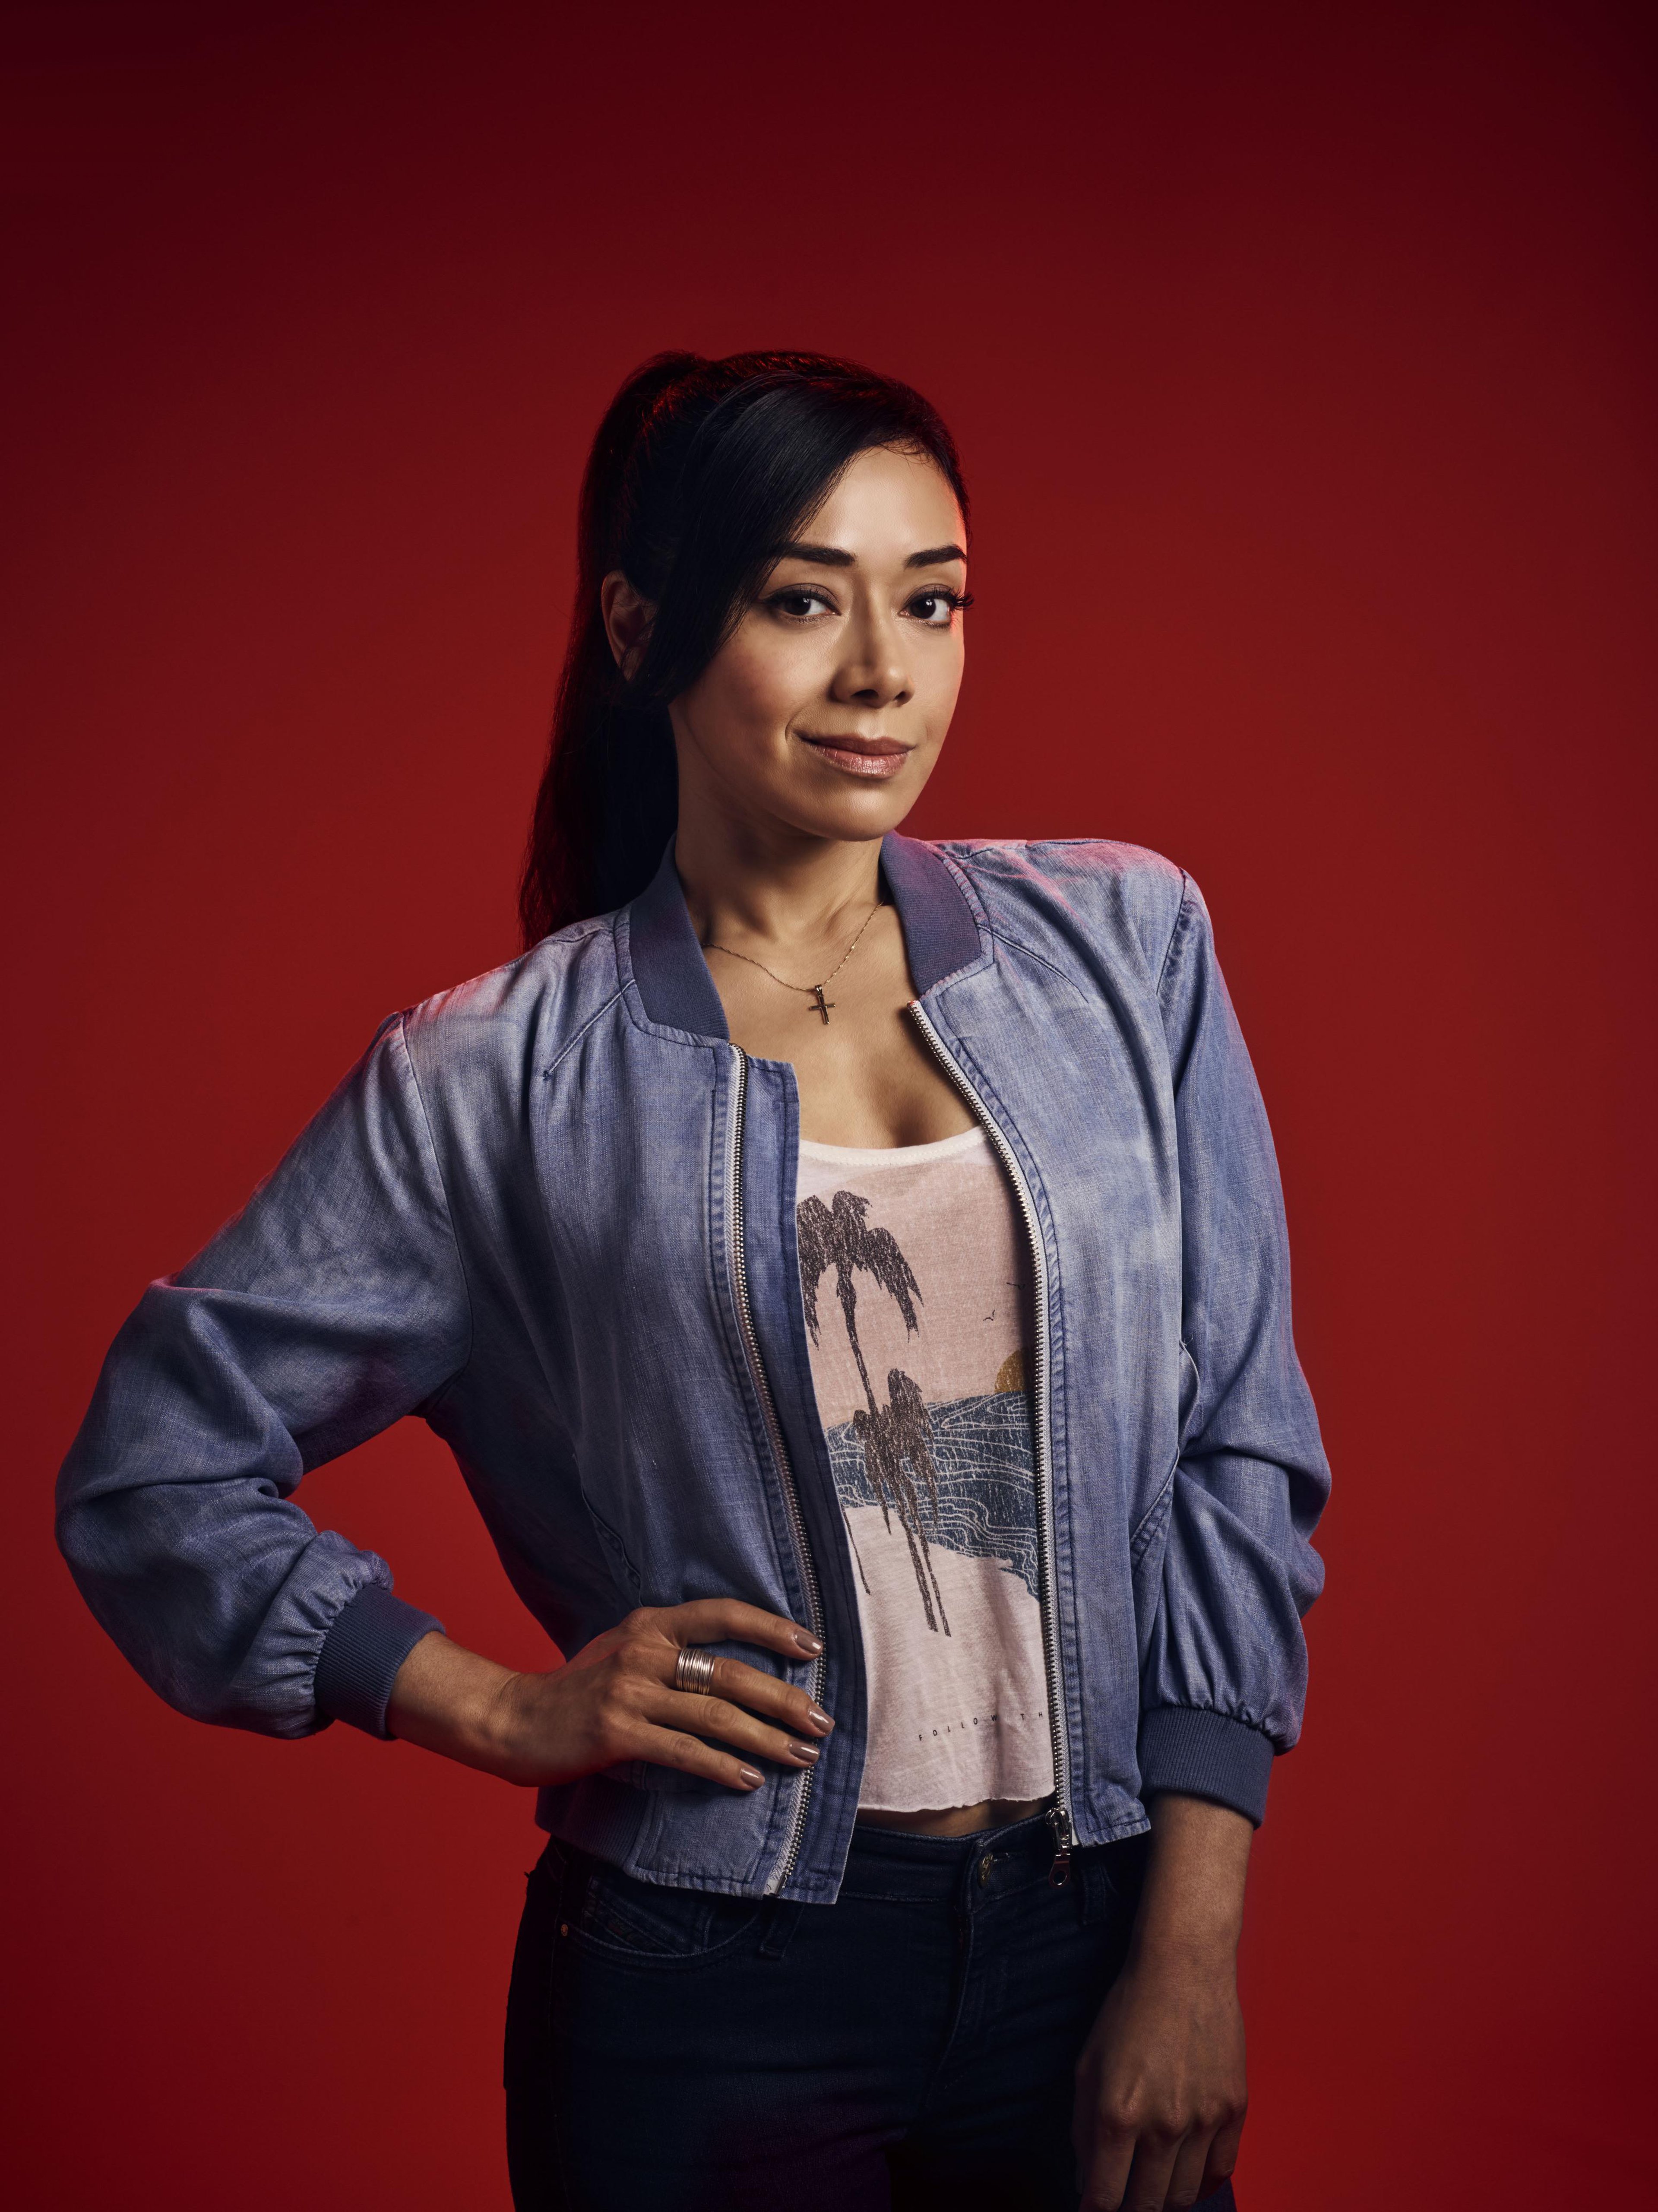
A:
x,y
700,470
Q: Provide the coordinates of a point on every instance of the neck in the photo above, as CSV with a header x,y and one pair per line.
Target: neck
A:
x,y
769,884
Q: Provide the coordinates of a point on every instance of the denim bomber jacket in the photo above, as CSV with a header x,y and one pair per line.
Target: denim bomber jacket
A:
x,y
552,1213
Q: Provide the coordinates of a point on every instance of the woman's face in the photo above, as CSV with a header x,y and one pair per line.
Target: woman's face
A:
x,y
824,711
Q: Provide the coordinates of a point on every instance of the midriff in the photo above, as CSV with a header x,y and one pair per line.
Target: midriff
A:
x,y
959,1820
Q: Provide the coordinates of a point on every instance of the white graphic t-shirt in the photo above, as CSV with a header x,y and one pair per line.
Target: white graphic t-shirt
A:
x,y
916,1281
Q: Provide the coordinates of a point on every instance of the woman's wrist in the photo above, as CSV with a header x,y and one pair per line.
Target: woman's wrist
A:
x,y
1191,1910
455,1702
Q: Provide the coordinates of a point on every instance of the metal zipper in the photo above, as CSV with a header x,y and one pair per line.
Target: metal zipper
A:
x,y
779,1449
1059,1818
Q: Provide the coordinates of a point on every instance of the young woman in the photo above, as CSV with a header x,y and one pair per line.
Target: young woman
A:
x,y
851,1276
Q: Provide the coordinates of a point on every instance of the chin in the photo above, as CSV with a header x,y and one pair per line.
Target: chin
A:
x,y
830,803
858,817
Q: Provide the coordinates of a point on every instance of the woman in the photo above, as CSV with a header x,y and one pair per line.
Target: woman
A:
x,y
851,1276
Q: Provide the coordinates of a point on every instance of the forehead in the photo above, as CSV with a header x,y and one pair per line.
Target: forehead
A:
x,y
886,505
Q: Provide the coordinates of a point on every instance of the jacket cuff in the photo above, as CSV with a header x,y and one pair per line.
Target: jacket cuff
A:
x,y
371,1638
1202,1753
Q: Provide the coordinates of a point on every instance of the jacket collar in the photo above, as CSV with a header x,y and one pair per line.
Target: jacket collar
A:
x,y
941,934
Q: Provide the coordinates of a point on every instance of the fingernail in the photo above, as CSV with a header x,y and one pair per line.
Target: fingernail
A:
x,y
819,1720
807,1751
808,1642
750,1776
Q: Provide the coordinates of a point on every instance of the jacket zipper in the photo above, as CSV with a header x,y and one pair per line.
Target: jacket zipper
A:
x,y
779,1448
1060,1816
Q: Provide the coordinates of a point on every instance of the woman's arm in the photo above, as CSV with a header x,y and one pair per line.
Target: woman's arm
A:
x,y
615,1701
334,1303
1160,2085
1224,1674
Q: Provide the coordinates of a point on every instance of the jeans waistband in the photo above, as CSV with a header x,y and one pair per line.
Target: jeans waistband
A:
x,y
896,1862
931,1866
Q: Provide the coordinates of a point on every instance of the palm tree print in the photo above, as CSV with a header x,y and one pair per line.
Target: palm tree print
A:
x,y
891,1434
839,1236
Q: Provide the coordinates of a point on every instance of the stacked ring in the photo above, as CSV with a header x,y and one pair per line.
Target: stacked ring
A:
x,y
693,1670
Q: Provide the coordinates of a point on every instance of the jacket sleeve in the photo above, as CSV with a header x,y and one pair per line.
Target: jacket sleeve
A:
x,y
1225,1673
334,1303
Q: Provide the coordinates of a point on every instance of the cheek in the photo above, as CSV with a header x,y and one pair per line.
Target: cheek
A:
x,y
759,682
939,680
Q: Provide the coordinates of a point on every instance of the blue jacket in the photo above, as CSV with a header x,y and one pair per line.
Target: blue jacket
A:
x,y
552,1213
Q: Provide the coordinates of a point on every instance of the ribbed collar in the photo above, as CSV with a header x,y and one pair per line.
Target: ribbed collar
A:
x,y
941,934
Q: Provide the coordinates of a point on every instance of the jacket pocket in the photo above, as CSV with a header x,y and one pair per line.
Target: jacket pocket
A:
x,y
1191,1386
629,1585
1151,1523
1155,1519
1146,1543
1145,1562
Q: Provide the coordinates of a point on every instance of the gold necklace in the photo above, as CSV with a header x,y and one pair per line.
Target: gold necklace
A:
x,y
807,990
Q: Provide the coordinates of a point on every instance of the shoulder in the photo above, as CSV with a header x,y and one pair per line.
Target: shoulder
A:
x,y
523,1011
1090,895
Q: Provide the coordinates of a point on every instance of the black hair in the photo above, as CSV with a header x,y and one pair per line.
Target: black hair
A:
x,y
699,471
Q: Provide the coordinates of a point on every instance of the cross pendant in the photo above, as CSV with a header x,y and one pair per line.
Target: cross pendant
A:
x,y
823,1004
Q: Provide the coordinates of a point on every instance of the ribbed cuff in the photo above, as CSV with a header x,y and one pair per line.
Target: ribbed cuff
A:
x,y
370,1639
1203,1755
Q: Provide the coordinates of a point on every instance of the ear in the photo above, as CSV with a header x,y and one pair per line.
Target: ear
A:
x,y
628,619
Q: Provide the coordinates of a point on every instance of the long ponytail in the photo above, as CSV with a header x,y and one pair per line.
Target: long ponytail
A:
x,y
699,469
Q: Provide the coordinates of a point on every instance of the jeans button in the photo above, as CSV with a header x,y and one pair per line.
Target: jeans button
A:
x,y
985,1865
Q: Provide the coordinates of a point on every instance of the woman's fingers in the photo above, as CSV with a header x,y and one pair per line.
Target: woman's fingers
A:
x,y
717,1716
727,1620
1186,2184
706,1620
783,1702
1149,2176
1106,2160
1222,2157
661,1747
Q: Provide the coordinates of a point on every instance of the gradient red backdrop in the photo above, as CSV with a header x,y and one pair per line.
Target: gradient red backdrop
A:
x,y
1302,359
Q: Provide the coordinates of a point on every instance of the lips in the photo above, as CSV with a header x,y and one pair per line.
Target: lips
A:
x,y
873,759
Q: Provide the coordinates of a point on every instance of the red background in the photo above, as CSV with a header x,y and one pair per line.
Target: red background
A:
x,y
1302,358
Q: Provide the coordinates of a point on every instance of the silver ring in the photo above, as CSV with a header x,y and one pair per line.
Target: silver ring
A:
x,y
693,1670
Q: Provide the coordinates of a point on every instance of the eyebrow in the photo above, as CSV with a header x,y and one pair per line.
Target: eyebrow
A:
x,y
835,556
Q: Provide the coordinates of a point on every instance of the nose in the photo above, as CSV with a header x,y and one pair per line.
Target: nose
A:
x,y
874,671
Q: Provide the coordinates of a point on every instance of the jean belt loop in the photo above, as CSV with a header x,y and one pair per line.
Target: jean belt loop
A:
x,y
783,1916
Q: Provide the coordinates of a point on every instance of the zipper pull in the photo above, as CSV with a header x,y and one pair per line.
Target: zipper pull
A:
x,y
1059,1873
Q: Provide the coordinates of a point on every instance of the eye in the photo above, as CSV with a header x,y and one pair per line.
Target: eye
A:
x,y
800,601
937,606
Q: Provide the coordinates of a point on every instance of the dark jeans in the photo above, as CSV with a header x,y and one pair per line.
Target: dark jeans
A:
x,y
909,2046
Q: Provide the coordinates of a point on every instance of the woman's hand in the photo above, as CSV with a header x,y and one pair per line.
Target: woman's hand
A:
x,y
1161,2088
614,1700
